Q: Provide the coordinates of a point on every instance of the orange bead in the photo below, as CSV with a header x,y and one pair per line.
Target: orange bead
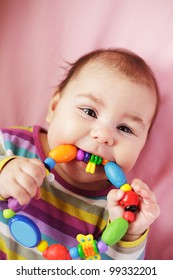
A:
x,y
104,161
63,153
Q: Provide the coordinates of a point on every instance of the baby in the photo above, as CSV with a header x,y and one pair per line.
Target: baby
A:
x,y
105,106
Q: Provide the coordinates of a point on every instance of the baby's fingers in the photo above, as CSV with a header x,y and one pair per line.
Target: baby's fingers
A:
x,y
153,211
28,183
115,210
148,206
113,197
34,169
143,191
20,193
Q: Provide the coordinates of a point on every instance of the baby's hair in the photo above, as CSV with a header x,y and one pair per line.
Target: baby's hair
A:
x,y
126,62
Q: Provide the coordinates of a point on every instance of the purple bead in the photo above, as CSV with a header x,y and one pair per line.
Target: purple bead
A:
x,y
87,157
102,247
80,155
15,206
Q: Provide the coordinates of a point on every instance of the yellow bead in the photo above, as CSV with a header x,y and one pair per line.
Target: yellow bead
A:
x,y
42,246
8,213
47,172
126,188
90,168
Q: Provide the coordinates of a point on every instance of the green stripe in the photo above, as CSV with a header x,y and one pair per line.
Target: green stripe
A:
x,y
18,150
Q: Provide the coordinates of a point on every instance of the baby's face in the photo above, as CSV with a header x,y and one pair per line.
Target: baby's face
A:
x,y
104,113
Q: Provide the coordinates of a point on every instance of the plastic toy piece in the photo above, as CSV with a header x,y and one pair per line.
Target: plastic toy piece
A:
x,y
80,155
49,163
115,231
42,246
102,247
91,166
56,252
86,249
115,174
8,213
126,187
15,206
63,153
25,231
129,198
129,202
86,157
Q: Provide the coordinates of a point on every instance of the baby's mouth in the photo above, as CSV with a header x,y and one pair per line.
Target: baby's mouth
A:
x,y
67,152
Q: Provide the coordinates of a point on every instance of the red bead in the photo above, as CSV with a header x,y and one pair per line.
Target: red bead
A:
x,y
56,252
129,216
129,198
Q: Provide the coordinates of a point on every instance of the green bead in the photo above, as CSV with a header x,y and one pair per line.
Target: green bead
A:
x,y
80,251
99,161
96,159
92,158
115,231
8,213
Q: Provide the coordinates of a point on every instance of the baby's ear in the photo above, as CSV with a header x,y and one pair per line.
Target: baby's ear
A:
x,y
52,106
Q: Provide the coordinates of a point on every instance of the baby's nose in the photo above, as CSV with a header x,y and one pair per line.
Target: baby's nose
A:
x,y
103,134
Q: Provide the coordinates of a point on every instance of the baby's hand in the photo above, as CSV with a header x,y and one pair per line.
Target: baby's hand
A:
x,y
21,178
148,209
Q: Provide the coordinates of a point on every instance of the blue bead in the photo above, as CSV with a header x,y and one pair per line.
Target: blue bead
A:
x,y
86,157
74,252
24,231
50,162
115,174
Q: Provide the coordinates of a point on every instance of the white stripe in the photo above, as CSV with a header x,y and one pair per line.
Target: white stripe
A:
x,y
5,230
125,256
2,146
99,202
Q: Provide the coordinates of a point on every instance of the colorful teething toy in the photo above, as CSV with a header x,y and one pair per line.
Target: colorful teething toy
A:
x,y
27,233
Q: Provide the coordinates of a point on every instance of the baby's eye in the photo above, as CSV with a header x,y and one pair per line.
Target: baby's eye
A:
x,y
89,112
125,129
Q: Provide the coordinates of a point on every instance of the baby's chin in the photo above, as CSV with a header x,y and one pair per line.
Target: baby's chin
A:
x,y
75,173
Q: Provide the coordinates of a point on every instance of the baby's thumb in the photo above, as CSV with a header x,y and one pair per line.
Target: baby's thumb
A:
x,y
114,196
38,194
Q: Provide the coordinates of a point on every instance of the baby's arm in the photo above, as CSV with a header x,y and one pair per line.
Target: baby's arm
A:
x,y
21,178
148,209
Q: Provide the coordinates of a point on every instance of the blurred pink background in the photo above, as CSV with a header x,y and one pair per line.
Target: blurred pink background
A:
x,y
36,37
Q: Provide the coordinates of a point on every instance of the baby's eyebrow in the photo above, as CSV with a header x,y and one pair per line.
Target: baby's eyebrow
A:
x,y
92,97
135,118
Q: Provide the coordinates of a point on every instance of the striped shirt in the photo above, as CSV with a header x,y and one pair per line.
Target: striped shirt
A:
x,y
63,210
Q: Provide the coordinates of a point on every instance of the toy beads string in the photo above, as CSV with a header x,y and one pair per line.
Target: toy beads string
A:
x,y
27,233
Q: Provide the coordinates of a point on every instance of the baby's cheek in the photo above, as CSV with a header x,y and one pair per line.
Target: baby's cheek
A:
x,y
129,163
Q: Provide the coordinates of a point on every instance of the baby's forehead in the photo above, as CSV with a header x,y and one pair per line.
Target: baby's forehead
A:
x,y
103,70
98,67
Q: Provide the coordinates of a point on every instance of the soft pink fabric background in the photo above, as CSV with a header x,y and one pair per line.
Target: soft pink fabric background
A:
x,y
36,37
